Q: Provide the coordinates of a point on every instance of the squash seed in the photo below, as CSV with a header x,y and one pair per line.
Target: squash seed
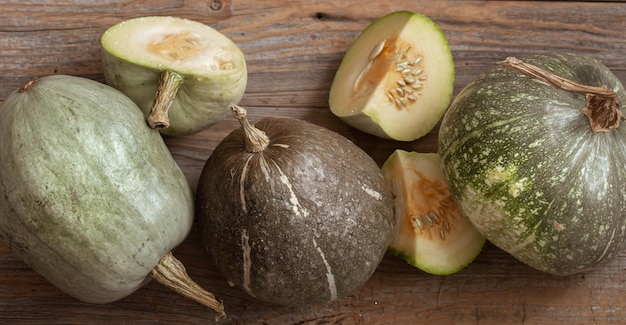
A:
x,y
377,50
434,217
409,80
416,221
427,219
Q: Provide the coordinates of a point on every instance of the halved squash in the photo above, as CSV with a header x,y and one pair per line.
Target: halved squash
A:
x,y
430,232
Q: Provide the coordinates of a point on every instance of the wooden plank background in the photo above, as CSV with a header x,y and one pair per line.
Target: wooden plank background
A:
x,y
293,49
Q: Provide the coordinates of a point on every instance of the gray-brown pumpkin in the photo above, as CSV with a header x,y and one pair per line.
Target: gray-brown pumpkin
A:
x,y
293,213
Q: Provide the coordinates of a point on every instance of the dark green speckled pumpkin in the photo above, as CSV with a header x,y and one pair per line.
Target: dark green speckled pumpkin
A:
x,y
524,164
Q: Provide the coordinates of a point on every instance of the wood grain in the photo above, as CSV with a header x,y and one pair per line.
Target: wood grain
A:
x,y
293,49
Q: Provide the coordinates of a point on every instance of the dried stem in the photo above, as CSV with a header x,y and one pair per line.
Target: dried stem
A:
x,y
171,273
256,140
602,109
27,86
169,83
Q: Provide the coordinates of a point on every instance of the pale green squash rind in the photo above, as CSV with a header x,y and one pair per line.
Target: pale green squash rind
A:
x,y
522,162
92,198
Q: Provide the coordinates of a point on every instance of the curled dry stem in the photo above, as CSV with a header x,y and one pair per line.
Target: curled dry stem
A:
x,y
256,140
602,109
171,273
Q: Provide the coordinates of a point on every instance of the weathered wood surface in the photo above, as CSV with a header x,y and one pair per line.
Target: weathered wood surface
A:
x,y
293,49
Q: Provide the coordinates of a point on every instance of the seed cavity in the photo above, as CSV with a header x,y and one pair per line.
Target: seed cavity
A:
x,y
376,51
177,46
410,72
436,223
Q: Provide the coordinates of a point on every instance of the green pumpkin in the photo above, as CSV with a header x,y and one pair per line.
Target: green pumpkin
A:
x,y
524,164
91,197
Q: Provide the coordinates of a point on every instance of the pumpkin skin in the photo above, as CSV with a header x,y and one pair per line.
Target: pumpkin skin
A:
x,y
92,198
523,164
308,222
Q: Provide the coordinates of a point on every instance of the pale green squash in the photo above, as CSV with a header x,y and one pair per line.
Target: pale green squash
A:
x,y
91,197
183,74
